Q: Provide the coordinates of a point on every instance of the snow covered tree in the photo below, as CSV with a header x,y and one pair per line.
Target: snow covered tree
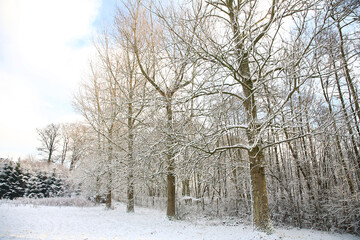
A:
x,y
19,181
97,102
78,142
12,181
42,185
164,61
245,52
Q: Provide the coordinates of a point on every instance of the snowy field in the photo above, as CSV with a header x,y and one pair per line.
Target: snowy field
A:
x,y
28,222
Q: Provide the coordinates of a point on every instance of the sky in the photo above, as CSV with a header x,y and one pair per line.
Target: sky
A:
x,y
45,47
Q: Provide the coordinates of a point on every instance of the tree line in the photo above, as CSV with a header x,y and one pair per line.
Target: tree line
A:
x,y
247,107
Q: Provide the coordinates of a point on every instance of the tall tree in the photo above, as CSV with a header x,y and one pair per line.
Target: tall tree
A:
x,y
96,101
165,63
247,49
119,60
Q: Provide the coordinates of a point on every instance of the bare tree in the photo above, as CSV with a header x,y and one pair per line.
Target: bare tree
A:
x,y
49,138
78,136
165,63
243,42
119,60
97,103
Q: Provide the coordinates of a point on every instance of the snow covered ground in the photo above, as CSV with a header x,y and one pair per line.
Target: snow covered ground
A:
x,y
25,222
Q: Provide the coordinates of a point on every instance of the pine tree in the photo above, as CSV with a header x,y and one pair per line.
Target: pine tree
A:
x,y
36,186
4,183
19,184
55,186
42,185
12,182
31,186
58,187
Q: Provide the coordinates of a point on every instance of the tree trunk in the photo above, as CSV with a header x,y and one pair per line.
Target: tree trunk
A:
x,y
130,195
170,212
348,78
97,197
109,192
186,187
347,120
130,125
49,158
109,167
108,198
337,139
261,216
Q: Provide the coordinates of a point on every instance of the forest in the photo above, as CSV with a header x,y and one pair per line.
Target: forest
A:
x,y
240,108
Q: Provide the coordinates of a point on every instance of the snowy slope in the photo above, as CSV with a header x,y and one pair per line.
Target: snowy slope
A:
x,y
45,222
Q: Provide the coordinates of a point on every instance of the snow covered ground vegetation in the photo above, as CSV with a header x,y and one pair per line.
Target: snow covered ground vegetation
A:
x,y
20,221
55,201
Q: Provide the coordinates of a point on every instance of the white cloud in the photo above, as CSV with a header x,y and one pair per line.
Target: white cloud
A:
x,y
20,113
44,52
41,35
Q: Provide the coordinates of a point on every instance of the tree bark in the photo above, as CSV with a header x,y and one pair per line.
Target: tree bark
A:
x,y
171,211
130,125
261,214
108,201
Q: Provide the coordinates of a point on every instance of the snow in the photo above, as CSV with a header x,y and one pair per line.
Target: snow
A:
x,y
25,222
